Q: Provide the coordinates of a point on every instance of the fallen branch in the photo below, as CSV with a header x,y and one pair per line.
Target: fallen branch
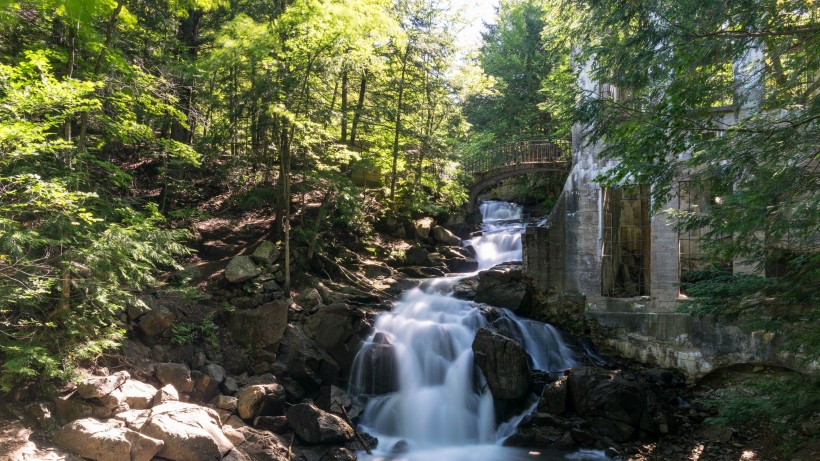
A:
x,y
355,431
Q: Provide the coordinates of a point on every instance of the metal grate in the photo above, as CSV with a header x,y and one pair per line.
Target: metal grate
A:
x,y
625,244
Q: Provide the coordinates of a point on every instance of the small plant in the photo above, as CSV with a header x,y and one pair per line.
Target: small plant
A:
x,y
193,333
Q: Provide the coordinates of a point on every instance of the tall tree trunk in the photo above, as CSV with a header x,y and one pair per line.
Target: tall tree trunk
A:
x,y
72,59
358,112
398,126
344,105
109,36
188,35
284,177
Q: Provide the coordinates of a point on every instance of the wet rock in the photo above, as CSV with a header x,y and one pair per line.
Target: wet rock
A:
x,y
241,268
190,432
379,367
334,399
503,286
504,364
554,397
99,386
175,374
317,426
106,441
466,288
261,328
266,253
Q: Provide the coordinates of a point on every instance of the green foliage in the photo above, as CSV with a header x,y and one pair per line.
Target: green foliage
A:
x,y
513,57
780,402
682,114
202,333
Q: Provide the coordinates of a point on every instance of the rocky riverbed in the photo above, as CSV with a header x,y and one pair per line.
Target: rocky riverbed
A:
x,y
240,369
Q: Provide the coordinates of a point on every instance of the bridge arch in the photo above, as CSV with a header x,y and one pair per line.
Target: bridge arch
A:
x,y
496,176
514,159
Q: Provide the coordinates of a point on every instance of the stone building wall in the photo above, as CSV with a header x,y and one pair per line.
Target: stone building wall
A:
x,y
569,257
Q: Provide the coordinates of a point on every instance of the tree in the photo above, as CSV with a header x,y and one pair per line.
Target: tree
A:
x,y
674,62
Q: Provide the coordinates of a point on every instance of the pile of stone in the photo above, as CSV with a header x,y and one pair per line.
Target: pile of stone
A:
x,y
115,417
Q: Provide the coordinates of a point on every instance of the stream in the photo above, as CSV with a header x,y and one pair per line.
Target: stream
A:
x,y
443,409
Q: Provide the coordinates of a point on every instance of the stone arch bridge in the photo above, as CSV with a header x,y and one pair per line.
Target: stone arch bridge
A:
x,y
494,164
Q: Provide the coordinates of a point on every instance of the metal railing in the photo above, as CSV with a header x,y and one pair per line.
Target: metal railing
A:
x,y
518,153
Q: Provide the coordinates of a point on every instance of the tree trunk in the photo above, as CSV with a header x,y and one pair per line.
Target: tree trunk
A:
x,y
359,106
109,36
398,126
344,106
188,34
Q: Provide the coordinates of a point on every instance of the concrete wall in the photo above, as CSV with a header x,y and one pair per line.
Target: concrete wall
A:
x,y
565,258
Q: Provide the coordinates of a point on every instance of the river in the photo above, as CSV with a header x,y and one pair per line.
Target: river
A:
x,y
443,409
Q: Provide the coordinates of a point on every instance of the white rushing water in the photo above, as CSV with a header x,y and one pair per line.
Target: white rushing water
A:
x,y
443,410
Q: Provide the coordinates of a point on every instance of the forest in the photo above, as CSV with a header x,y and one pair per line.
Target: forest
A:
x,y
123,122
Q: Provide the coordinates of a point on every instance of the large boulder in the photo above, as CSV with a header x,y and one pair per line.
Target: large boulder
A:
x,y
423,227
241,268
458,259
167,393
261,328
175,374
106,441
314,425
445,237
554,397
266,253
190,432
138,395
377,367
615,407
304,361
93,387
417,256
504,364
260,399
503,286
309,299
336,327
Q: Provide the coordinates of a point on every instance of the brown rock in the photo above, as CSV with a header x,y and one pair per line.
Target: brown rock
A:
x,y
106,441
316,426
190,432
175,374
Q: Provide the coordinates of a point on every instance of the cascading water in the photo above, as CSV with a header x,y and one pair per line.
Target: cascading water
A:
x,y
442,408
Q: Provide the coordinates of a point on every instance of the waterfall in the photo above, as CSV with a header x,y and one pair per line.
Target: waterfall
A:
x,y
442,408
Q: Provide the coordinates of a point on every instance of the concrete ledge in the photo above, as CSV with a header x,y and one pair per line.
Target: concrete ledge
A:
x,y
693,345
